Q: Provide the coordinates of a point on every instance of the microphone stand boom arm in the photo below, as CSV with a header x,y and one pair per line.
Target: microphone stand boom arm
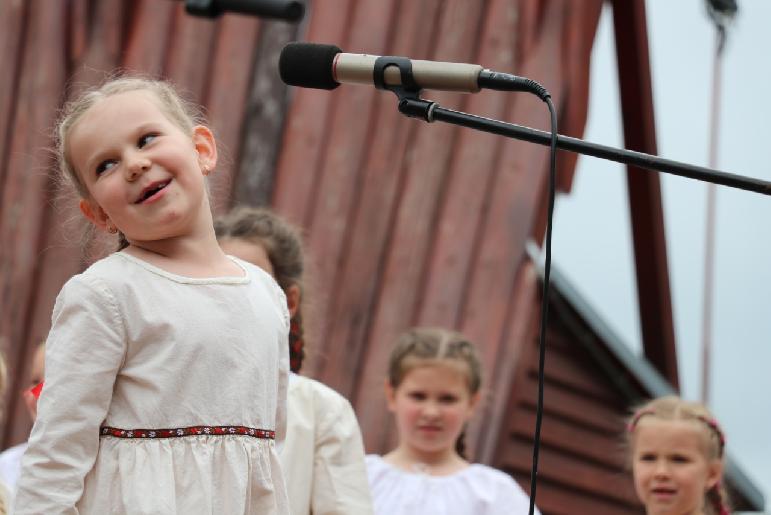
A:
x,y
411,105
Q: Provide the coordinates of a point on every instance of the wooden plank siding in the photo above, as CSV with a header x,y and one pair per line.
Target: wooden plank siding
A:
x,y
582,462
412,224
27,186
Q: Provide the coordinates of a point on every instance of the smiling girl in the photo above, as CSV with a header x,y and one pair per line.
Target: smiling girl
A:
x,y
434,378
166,364
677,458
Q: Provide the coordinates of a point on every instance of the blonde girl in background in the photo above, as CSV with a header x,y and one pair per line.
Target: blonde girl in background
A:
x,y
166,364
323,455
433,387
676,449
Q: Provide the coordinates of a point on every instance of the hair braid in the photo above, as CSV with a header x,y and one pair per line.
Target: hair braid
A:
x,y
716,496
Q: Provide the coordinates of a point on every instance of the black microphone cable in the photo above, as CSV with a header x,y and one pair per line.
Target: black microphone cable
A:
x,y
544,300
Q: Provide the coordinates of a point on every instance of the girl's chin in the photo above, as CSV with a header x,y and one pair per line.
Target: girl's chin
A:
x,y
432,445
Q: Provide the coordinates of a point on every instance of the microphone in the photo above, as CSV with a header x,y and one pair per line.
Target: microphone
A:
x,y
288,10
312,65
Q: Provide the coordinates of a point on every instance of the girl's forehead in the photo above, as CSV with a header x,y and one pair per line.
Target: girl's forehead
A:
x,y
413,361
126,100
683,434
445,368
121,108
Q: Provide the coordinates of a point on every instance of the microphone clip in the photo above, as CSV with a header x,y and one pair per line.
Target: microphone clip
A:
x,y
408,91
408,83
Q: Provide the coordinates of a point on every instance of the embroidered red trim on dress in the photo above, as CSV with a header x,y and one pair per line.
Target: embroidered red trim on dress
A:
x,y
179,432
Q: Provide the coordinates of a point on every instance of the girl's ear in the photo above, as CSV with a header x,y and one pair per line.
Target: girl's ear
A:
x,y
206,146
473,403
390,394
475,400
95,214
293,299
714,473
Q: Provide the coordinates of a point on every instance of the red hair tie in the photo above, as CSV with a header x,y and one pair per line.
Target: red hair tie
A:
x,y
636,418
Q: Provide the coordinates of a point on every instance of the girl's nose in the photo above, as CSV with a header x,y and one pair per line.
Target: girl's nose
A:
x,y
661,469
430,410
136,166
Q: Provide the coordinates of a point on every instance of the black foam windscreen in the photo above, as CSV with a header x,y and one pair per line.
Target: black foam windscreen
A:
x,y
308,65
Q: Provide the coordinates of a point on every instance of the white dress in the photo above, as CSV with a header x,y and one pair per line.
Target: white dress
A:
x,y
176,374
475,490
323,456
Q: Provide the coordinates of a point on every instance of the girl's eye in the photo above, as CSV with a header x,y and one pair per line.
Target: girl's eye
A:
x,y
417,396
647,457
679,458
448,399
145,139
104,166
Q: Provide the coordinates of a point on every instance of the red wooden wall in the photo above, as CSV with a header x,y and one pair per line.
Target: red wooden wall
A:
x,y
582,463
417,224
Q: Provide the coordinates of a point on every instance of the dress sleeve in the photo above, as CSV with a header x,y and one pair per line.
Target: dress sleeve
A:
x,y
340,484
283,371
85,350
281,400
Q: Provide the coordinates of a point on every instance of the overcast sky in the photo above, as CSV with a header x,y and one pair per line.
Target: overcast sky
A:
x,y
592,237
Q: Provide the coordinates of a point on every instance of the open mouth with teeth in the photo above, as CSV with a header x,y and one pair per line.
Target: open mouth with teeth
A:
x,y
151,191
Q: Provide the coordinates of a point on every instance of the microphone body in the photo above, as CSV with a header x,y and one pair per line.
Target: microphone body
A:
x,y
311,65
358,69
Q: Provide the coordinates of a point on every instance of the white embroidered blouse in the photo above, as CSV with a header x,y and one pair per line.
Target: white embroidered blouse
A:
x,y
154,386
475,490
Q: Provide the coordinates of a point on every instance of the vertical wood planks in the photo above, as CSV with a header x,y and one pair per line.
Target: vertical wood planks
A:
x,y
26,184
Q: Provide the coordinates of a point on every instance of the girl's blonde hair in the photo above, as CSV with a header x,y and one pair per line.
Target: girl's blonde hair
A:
x,y
673,408
283,244
186,115
421,346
